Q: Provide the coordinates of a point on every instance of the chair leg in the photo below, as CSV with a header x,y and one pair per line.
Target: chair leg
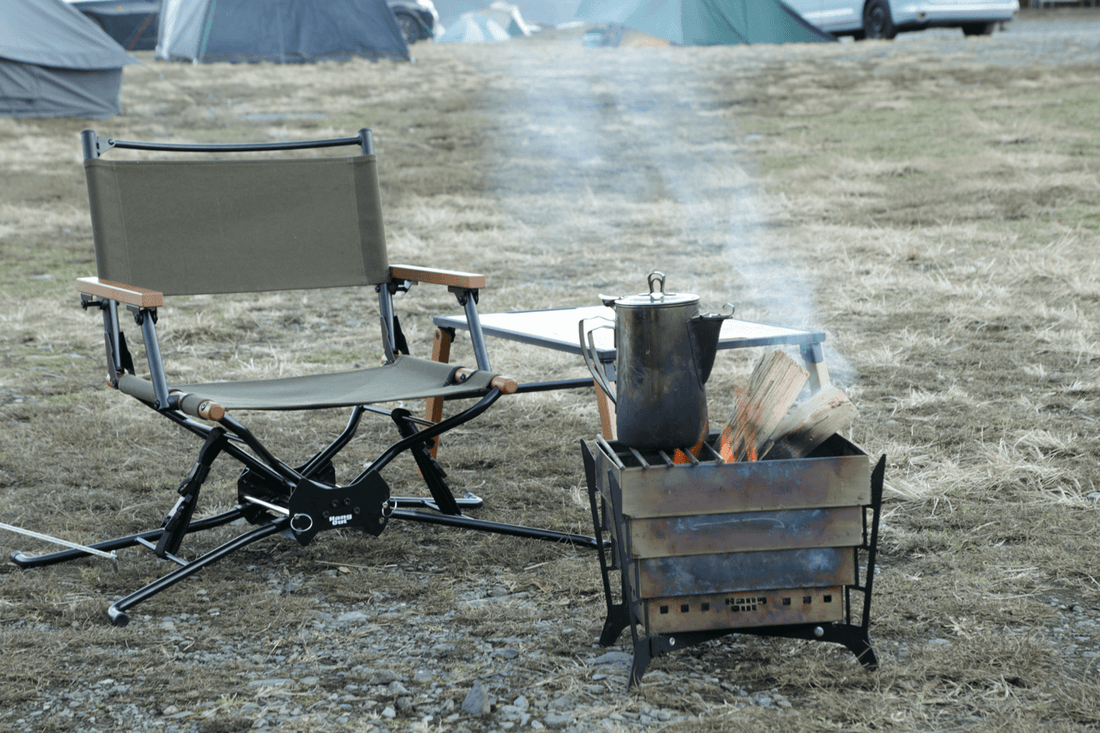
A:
x,y
430,470
179,519
117,611
54,558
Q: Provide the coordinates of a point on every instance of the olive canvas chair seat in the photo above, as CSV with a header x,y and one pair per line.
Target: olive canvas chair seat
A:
x,y
202,224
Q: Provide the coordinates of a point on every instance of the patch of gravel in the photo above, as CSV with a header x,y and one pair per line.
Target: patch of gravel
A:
x,y
426,672
406,685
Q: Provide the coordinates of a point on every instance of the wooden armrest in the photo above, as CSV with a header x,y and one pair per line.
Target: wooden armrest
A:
x,y
507,385
128,294
450,278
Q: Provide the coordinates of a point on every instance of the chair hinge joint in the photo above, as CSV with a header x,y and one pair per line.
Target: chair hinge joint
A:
x,y
397,285
141,313
90,301
464,294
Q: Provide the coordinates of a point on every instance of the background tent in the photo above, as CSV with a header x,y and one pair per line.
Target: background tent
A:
x,y
473,28
538,12
283,31
132,23
507,16
706,22
54,62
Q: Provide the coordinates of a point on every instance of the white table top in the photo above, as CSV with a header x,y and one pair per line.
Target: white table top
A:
x,y
557,329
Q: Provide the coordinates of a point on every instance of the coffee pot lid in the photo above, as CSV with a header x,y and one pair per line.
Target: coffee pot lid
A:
x,y
655,298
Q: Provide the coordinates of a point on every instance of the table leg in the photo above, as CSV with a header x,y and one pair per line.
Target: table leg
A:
x,y
814,357
607,413
441,352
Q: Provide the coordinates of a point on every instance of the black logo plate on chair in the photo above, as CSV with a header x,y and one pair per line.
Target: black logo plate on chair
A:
x,y
316,507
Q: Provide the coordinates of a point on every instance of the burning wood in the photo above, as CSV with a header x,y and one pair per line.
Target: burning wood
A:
x,y
759,408
763,424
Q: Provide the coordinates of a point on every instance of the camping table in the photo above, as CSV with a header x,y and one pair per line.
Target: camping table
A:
x,y
557,329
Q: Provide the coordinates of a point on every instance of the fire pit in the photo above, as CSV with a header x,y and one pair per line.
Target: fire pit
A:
x,y
707,547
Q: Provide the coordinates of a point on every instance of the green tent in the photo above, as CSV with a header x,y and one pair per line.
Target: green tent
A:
x,y
706,22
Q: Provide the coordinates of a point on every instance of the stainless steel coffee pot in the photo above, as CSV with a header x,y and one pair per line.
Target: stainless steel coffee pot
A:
x,y
665,351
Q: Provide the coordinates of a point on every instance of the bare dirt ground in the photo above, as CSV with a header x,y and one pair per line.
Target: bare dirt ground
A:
x,y
930,203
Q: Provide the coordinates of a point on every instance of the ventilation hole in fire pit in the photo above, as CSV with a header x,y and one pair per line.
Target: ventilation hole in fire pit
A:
x,y
828,599
807,599
704,607
664,609
684,608
741,605
786,601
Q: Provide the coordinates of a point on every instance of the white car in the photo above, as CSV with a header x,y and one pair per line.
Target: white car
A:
x,y
886,18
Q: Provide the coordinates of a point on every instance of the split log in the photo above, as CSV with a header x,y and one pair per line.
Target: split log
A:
x,y
812,423
758,410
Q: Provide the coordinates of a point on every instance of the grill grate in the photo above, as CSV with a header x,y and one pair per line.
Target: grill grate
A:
x,y
627,457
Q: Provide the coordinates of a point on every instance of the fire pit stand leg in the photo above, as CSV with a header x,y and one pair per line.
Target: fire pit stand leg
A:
x,y
647,648
853,638
618,614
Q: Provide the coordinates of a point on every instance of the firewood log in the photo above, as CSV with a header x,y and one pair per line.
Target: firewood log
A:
x,y
810,424
758,410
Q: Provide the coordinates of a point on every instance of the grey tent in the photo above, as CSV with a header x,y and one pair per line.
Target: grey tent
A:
x,y
54,62
283,31
706,22
133,23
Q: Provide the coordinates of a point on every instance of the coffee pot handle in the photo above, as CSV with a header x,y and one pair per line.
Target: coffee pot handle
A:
x,y
588,353
658,277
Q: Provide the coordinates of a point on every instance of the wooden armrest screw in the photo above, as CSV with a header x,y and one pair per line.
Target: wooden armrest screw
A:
x,y
211,411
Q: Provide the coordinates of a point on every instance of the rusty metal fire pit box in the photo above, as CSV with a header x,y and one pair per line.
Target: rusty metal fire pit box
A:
x,y
708,548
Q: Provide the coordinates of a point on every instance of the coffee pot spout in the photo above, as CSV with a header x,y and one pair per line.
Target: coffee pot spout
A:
x,y
704,330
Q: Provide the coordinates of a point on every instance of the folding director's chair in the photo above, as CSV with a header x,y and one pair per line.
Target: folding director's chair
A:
x,y
215,225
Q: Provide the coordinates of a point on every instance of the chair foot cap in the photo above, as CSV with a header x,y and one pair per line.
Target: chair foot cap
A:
x,y
118,618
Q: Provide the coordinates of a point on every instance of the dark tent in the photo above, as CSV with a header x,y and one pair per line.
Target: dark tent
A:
x,y
133,23
706,22
54,62
283,31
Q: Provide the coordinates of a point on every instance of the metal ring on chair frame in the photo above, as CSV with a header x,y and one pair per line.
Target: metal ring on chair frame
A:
x,y
293,523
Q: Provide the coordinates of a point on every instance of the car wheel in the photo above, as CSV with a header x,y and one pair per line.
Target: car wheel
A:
x,y
978,29
876,20
410,27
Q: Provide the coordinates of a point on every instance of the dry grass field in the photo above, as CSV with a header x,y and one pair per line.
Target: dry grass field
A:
x,y
936,214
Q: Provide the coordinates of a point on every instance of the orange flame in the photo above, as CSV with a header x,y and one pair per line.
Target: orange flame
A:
x,y
739,435
678,456
725,444
750,451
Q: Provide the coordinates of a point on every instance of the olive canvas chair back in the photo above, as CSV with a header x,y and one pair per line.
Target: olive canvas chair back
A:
x,y
183,227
